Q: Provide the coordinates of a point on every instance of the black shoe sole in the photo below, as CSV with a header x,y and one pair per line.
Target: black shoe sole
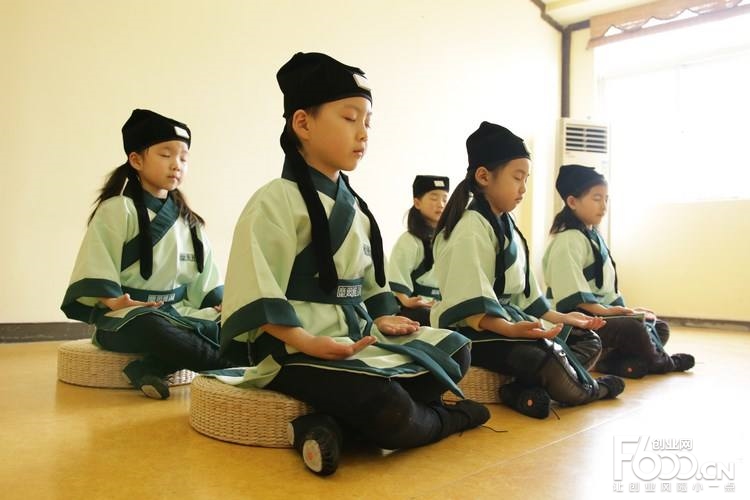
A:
x,y
320,451
682,362
519,398
614,386
477,413
318,438
154,387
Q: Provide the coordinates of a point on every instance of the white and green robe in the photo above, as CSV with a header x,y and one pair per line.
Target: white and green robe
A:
x,y
406,269
108,266
272,279
571,271
579,269
467,267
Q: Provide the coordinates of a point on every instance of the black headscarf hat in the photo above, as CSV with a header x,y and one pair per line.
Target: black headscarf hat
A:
x,y
311,79
145,128
574,180
425,183
491,145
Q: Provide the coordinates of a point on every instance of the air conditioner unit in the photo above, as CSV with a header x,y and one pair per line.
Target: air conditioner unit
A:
x,y
585,143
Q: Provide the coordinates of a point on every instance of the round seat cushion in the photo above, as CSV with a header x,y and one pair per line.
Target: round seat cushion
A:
x,y
80,362
248,416
480,385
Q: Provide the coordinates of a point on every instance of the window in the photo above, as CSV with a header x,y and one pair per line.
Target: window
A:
x,y
679,108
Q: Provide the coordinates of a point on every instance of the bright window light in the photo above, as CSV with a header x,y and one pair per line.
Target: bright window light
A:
x,y
678,104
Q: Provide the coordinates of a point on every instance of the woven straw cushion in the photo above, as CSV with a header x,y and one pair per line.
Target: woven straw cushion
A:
x,y
480,385
256,417
80,362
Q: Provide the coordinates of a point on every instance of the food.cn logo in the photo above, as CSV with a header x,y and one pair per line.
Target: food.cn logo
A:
x,y
665,459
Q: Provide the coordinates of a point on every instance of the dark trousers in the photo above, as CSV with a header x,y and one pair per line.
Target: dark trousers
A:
x,y
542,363
628,337
166,347
419,314
390,413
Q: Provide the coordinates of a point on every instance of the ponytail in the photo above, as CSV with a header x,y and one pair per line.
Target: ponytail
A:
x,y
192,218
113,186
418,226
456,205
124,178
565,219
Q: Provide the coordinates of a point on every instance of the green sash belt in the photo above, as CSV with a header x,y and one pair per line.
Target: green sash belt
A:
x,y
166,296
426,291
348,295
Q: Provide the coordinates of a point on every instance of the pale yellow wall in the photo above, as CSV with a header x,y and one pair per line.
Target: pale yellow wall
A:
x,y
582,81
683,260
691,261
73,70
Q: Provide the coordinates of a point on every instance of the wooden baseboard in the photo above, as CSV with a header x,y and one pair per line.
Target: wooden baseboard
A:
x,y
39,332
716,324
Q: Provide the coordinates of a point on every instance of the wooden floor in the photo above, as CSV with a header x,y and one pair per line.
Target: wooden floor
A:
x,y
63,441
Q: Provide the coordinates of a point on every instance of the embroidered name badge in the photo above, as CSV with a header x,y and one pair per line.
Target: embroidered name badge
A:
x,y
361,81
187,257
366,249
439,184
181,132
344,291
167,297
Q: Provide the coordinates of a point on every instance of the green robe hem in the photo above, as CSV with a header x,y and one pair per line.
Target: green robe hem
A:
x,y
381,304
257,314
477,305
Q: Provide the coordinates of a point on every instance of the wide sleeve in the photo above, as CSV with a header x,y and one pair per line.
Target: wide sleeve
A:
x,y
407,254
96,272
565,259
263,250
464,269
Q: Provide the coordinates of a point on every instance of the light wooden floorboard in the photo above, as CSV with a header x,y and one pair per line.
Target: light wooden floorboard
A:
x,y
68,442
